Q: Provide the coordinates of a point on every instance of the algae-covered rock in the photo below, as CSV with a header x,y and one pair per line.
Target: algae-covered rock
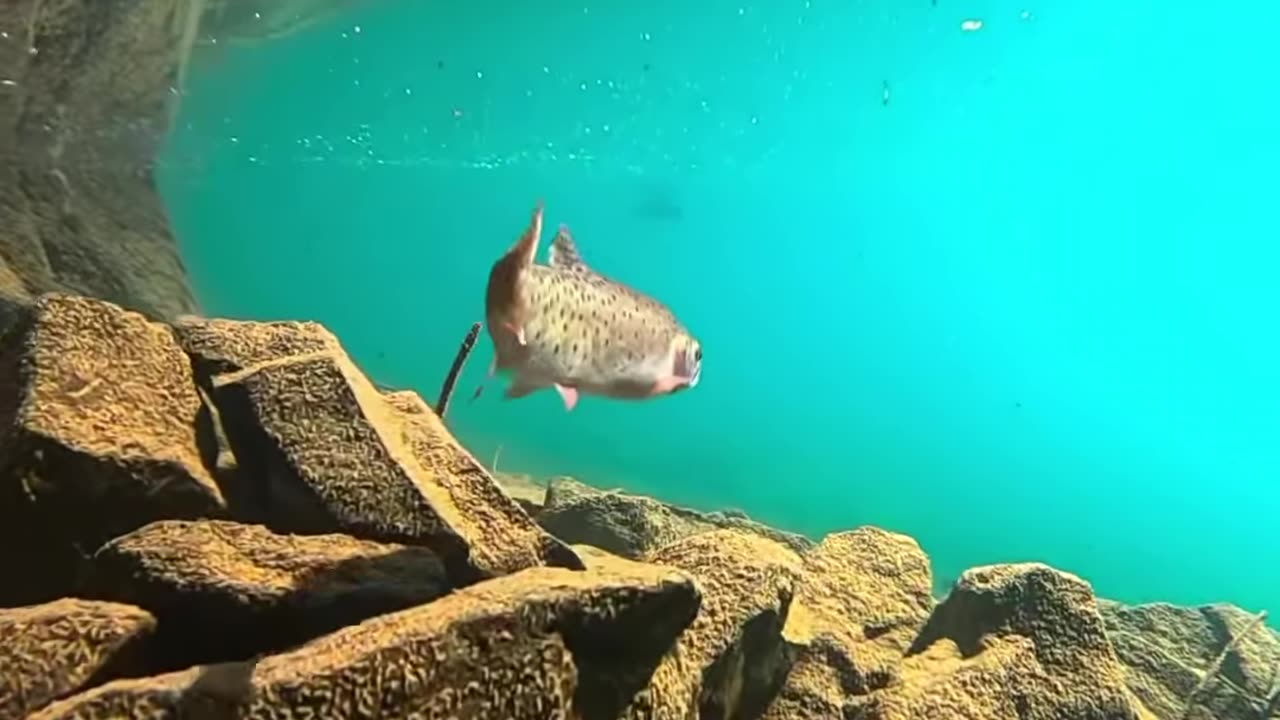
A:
x,y
57,648
540,643
84,110
103,432
1009,642
862,597
731,659
634,525
228,591
320,449
1167,650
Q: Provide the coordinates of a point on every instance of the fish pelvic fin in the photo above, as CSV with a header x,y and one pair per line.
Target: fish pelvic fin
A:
x,y
519,388
564,252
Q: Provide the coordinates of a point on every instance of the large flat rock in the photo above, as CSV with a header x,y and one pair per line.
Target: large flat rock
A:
x,y
229,591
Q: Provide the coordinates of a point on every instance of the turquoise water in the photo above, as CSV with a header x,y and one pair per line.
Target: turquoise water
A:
x,y
1026,310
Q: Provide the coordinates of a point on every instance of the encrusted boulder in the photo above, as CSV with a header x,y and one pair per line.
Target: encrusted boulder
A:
x,y
319,449
1168,650
634,525
539,643
863,596
101,432
732,659
1009,642
227,591
57,648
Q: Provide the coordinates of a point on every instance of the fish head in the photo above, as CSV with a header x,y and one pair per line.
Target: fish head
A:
x,y
686,357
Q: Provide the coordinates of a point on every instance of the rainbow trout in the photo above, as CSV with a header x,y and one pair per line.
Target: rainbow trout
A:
x,y
566,326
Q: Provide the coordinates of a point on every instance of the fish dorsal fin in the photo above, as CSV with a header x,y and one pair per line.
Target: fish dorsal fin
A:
x,y
564,252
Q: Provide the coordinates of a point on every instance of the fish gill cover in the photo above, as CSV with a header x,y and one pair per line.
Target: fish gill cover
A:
x,y
1000,276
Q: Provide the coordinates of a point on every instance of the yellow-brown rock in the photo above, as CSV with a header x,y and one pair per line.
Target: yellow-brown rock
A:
x,y
863,596
228,591
1166,651
731,660
540,643
57,648
104,433
319,449
1010,642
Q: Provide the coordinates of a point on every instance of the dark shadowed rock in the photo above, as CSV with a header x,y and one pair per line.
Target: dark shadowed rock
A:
x,y
319,449
540,643
732,659
58,648
634,525
101,431
83,113
227,591
1166,651
863,596
1009,642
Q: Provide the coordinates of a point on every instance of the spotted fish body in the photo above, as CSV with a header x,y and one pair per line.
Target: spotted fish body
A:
x,y
566,326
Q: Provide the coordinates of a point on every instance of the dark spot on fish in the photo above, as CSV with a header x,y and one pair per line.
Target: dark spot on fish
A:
x,y
556,350
575,348
566,327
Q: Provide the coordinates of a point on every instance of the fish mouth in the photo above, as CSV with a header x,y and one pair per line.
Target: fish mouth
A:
x,y
697,375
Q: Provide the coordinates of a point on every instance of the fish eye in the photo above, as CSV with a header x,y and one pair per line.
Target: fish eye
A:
x,y
697,354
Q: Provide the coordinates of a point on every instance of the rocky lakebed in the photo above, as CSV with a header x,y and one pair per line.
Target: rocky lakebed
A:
x,y
209,518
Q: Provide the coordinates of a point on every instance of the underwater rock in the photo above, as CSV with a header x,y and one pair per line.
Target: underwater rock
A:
x,y
523,489
732,658
83,114
863,596
539,643
318,449
227,591
1010,641
61,647
1166,650
103,435
634,525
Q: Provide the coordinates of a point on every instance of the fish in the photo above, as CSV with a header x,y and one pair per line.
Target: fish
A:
x,y
565,325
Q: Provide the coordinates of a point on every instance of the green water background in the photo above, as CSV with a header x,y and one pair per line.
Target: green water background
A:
x,y
1024,311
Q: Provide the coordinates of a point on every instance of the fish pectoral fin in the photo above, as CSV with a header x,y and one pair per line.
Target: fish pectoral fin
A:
x,y
517,331
668,384
569,395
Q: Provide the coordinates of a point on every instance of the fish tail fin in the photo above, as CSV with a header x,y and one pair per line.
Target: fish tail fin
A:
x,y
526,246
503,297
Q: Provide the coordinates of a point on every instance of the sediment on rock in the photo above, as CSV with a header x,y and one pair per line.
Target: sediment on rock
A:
x,y
543,642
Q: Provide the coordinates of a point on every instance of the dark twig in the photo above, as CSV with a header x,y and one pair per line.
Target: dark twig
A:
x,y
464,351
1216,666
